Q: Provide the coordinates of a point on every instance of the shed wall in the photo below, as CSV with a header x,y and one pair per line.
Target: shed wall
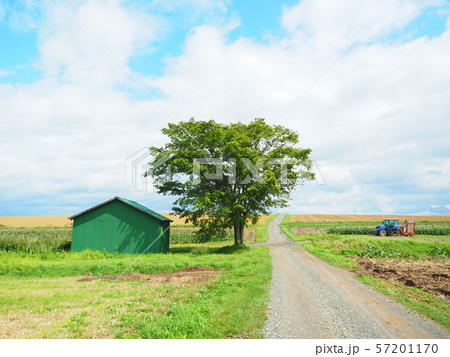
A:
x,y
118,227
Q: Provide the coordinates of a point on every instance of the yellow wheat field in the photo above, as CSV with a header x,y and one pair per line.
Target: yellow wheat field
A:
x,y
63,220
36,221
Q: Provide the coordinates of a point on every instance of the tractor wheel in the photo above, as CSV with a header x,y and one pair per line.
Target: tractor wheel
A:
x,y
382,233
396,232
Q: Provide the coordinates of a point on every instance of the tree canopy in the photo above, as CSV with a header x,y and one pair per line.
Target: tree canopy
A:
x,y
226,175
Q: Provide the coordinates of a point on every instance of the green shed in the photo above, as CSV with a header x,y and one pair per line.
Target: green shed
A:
x,y
120,225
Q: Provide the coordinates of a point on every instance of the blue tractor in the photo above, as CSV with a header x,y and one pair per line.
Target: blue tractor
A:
x,y
389,227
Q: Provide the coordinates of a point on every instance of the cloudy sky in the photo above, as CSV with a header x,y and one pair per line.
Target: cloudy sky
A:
x,y
86,84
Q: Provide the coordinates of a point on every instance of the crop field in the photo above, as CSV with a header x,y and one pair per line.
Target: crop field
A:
x,y
413,271
433,226
422,228
35,240
53,221
359,218
50,239
35,221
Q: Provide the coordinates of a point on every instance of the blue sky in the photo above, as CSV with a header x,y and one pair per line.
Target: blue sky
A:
x,y
371,77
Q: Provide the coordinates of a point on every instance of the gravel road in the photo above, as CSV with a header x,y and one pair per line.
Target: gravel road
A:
x,y
311,299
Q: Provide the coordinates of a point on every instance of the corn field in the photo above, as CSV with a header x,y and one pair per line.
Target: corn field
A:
x,y
421,229
54,240
35,240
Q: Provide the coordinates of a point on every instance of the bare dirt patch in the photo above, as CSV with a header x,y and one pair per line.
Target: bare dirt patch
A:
x,y
433,276
250,235
185,275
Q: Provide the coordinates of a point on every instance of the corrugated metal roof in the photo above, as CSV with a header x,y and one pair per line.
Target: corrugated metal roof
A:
x,y
130,203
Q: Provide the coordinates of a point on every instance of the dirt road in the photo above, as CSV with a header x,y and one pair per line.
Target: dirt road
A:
x,y
311,299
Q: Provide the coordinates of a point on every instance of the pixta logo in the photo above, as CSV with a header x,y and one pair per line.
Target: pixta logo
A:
x,y
139,170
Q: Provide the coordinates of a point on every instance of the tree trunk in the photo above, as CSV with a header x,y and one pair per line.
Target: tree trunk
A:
x,y
239,233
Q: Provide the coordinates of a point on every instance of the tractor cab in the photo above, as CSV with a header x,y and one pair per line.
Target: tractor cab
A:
x,y
390,222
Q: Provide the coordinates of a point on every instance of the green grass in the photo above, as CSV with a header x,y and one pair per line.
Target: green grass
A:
x,y
414,298
338,249
41,294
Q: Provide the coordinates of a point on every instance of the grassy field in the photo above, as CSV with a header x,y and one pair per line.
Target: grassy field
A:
x,y
414,272
208,290
75,295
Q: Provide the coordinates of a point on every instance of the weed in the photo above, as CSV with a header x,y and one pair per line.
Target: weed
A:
x,y
414,298
230,306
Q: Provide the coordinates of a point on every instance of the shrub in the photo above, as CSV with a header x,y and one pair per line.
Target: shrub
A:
x,y
351,230
189,236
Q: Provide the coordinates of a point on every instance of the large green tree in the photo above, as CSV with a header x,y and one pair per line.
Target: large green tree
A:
x,y
225,175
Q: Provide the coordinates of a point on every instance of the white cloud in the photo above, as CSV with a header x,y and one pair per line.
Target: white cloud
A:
x,y
73,130
71,48
377,121
336,23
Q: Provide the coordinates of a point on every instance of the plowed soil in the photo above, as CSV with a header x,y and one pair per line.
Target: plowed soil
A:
x,y
306,230
432,276
185,275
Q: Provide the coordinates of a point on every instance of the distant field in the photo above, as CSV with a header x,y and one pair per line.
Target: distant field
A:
x,y
35,221
177,221
360,218
63,220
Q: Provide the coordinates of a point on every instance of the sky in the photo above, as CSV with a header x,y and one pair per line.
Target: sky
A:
x,y
87,84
